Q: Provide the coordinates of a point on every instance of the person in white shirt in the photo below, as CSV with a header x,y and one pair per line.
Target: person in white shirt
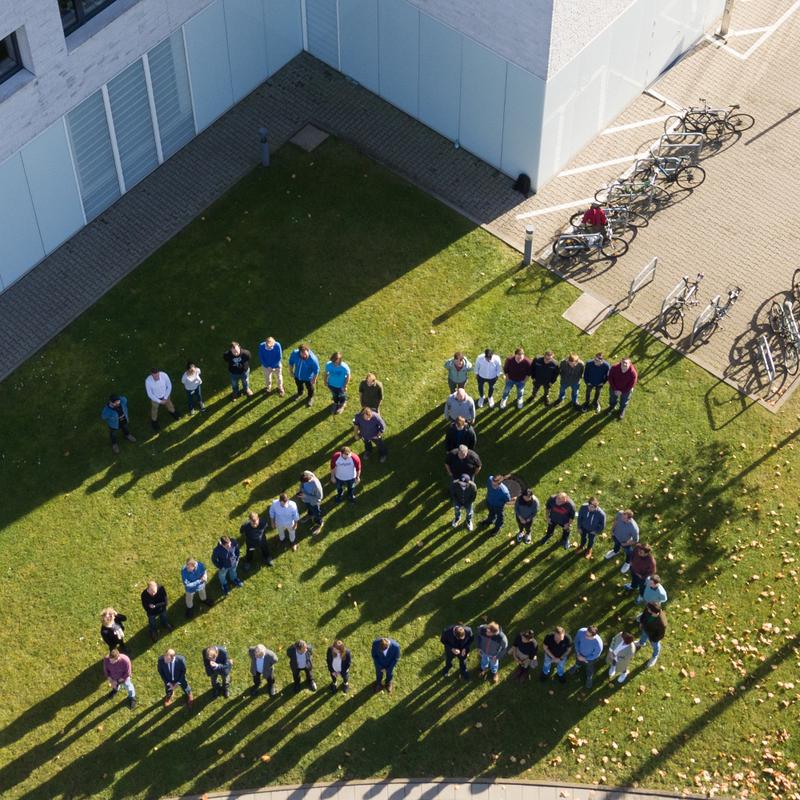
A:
x,y
345,473
338,659
488,368
300,660
159,387
285,517
191,381
262,665
620,654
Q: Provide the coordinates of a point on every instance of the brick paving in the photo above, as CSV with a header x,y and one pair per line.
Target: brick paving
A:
x,y
734,227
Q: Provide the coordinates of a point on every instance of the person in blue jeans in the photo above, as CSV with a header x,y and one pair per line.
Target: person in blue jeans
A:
x,y
304,367
385,655
595,377
591,521
517,369
497,496
337,379
570,371
463,493
192,382
154,603
653,623
225,558
491,644
588,649
557,646
238,361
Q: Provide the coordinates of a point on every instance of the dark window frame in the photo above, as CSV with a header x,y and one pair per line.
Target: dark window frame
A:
x,y
81,16
15,56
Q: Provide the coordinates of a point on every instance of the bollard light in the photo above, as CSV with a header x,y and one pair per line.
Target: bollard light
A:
x,y
262,133
527,256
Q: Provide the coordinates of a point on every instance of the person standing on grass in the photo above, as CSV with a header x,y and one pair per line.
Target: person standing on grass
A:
x,y
225,557
192,381
345,473
624,534
524,651
112,629
337,379
488,368
463,493
460,432
311,494
525,509
595,377
385,655
238,361
460,404
218,667
653,591
456,640
591,521
570,371
643,565
262,665
588,648
118,670
154,603
255,536
560,513
653,623
622,378
458,368
369,426
517,369
557,647
491,644
497,497
338,659
370,392
620,654
300,660
270,354
304,366
544,372
194,577
115,415
159,388
285,518
172,669
462,461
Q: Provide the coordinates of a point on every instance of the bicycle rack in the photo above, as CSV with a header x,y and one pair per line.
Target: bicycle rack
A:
x,y
791,322
766,356
669,299
645,276
704,316
694,147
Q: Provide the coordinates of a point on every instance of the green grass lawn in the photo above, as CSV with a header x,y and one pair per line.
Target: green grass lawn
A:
x,y
331,249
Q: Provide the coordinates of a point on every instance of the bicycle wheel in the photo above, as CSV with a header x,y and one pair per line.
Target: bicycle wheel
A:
x,y
674,124
615,248
690,176
740,122
567,246
672,323
791,359
796,286
715,130
776,318
643,169
705,332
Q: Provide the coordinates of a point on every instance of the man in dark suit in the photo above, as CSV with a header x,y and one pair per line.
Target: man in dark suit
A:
x,y
300,655
385,655
262,665
172,669
338,660
456,640
218,668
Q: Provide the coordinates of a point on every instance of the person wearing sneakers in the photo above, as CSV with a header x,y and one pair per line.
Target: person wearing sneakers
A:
x,y
497,498
300,660
557,647
591,521
337,379
225,557
270,354
194,577
285,518
620,654
643,565
117,669
488,368
345,473
192,382
560,513
254,532
595,377
463,493
304,367
159,388
368,425
544,372
154,603
385,655
218,667
588,649
338,659
456,640
625,534
460,404
262,665
491,644
524,651
653,591
238,361
517,370
172,669
570,371
311,494
622,378
458,369
460,432
653,623
525,509
115,415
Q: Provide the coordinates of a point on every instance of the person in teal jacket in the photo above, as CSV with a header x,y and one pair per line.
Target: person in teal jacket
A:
x,y
305,369
115,415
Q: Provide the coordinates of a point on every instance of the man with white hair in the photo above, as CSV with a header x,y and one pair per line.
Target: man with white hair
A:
x,y
459,404
311,494
262,665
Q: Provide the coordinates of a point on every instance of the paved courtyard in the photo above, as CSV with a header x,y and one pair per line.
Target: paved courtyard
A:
x,y
734,227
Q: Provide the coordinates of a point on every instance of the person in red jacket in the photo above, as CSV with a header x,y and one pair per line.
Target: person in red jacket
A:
x,y
621,380
643,565
594,220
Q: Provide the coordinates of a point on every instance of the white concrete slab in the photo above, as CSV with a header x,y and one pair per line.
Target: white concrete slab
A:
x,y
309,138
587,313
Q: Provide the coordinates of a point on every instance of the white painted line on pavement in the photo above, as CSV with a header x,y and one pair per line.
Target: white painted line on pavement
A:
x,y
748,32
639,124
551,209
658,96
720,45
599,165
761,39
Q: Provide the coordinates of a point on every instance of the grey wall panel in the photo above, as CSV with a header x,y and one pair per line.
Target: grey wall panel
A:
x,y
322,30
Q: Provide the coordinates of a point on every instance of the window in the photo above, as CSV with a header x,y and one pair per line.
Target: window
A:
x,y
75,13
10,61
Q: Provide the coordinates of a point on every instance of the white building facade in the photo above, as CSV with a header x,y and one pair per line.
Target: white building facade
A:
x,y
95,94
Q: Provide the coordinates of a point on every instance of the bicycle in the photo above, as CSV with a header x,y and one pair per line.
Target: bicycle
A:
x,y
572,244
713,122
673,317
709,327
673,169
634,194
783,323
620,218
796,286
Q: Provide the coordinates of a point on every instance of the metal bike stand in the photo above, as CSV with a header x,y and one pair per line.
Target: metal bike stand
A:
x,y
766,357
705,316
645,276
669,299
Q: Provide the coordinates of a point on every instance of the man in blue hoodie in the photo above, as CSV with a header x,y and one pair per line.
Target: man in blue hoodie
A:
x,y
497,496
591,521
588,648
270,354
115,415
385,655
225,558
595,376
305,369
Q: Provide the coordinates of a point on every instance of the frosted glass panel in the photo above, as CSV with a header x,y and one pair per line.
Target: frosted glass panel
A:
x,y
399,54
322,31
247,45
358,23
284,32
